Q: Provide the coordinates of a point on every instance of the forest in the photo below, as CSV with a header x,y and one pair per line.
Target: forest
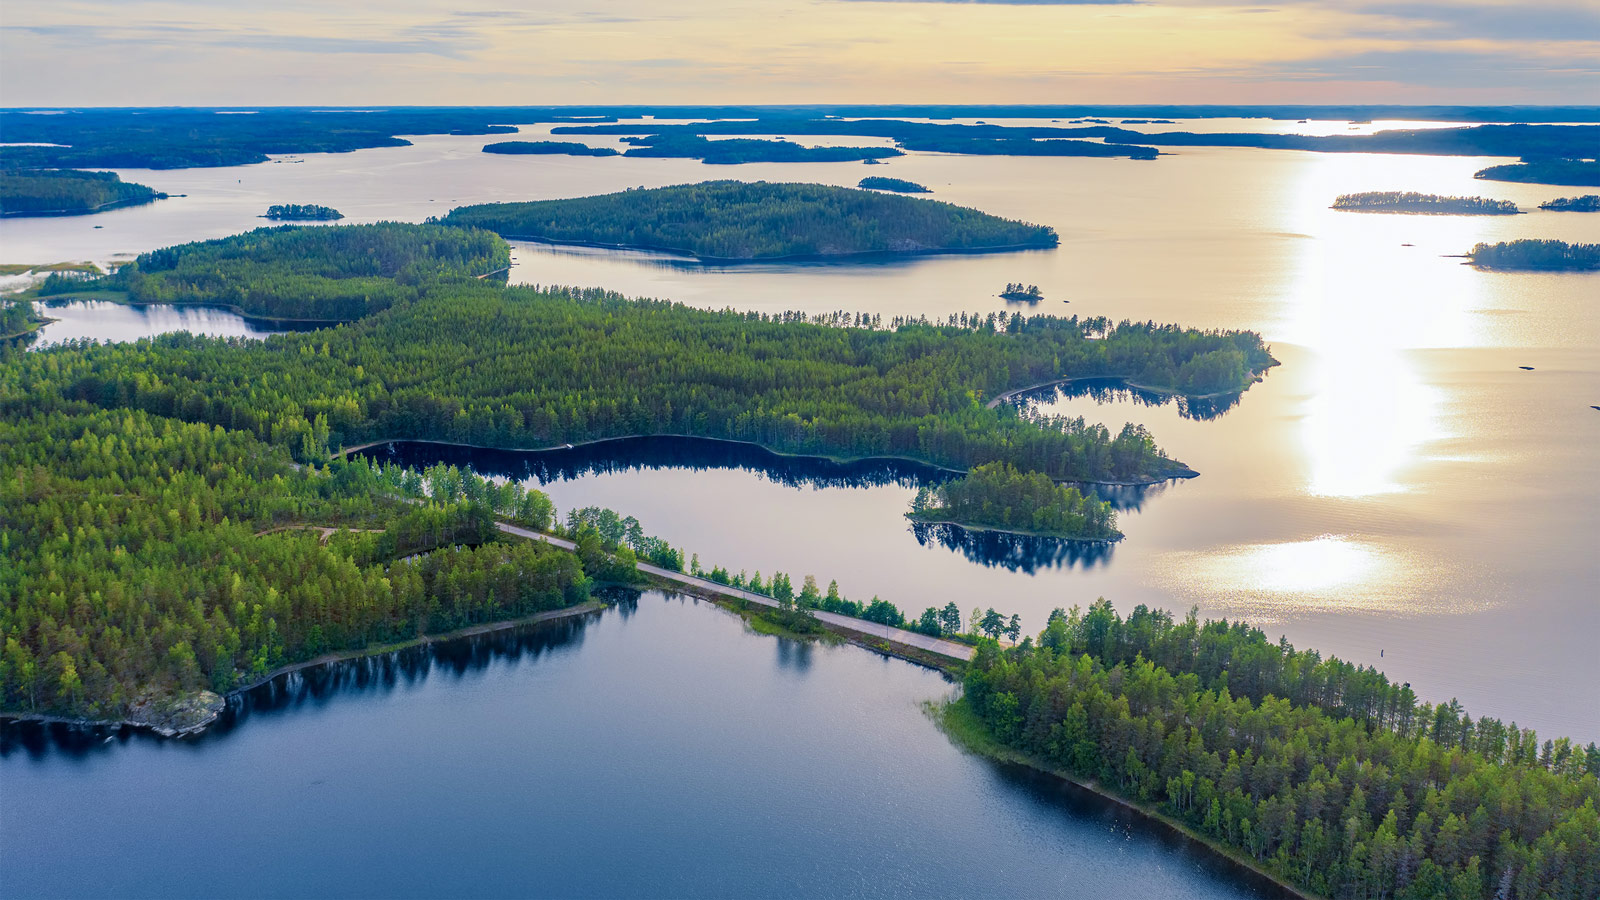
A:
x,y
731,220
285,272
302,212
732,151
1325,774
147,557
1585,203
558,148
897,185
17,316
995,496
1568,172
1028,147
66,192
1424,204
1536,254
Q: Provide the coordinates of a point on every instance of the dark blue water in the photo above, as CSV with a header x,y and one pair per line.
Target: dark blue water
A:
x,y
656,749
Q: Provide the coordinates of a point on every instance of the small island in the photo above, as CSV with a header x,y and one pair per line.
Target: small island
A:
x,y
1022,293
302,212
1569,172
548,148
1586,203
68,192
1556,256
998,497
898,185
18,318
728,221
1423,204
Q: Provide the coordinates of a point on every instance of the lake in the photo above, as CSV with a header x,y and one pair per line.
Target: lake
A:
x,y
1400,493
656,749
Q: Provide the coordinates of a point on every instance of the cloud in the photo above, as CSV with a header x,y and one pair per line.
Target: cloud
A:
x,y
1011,2
1520,22
1425,67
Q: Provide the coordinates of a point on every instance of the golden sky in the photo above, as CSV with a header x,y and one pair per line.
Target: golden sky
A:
x,y
493,52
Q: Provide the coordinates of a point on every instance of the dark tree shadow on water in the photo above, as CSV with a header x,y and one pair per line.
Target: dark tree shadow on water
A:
x,y
1016,552
320,685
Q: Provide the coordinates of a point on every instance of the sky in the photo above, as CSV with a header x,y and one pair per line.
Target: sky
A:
x,y
498,52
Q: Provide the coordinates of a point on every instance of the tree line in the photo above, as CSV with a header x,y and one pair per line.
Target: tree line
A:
x,y
997,495
1411,202
64,191
1321,772
1536,254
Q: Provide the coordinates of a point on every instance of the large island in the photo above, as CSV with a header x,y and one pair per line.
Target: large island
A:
x,y
732,221
998,497
1423,204
1537,255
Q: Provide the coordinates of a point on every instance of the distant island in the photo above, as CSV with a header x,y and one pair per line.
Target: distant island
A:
x,y
733,151
733,220
68,192
1569,172
302,212
557,148
1019,292
1539,255
983,146
898,185
998,497
1586,203
1423,204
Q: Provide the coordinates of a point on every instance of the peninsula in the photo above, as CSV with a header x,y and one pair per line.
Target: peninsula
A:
x,y
1568,172
68,192
729,221
999,497
1423,204
548,148
1586,203
1537,255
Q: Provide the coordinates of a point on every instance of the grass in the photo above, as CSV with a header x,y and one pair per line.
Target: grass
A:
x,y
25,268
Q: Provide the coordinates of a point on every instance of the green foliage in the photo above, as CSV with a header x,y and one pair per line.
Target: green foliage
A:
x,y
65,192
996,495
1016,290
303,273
1321,772
1533,254
143,556
618,531
736,220
559,148
732,151
1409,202
1573,172
303,211
478,363
898,185
16,316
1585,203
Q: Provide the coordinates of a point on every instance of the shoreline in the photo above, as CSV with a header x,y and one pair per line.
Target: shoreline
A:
x,y
1183,472
995,529
104,207
49,299
969,735
587,606
691,256
1166,392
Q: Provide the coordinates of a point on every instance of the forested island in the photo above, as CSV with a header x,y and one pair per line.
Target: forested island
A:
x,y
1571,172
732,220
65,192
898,185
732,151
998,497
1424,204
559,148
302,212
1585,203
1324,774
284,272
1022,293
1536,254
978,146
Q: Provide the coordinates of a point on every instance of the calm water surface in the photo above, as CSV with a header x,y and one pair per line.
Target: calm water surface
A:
x,y
657,749
1399,486
98,320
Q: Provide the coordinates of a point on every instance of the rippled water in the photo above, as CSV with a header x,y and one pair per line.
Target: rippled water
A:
x,y
658,749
